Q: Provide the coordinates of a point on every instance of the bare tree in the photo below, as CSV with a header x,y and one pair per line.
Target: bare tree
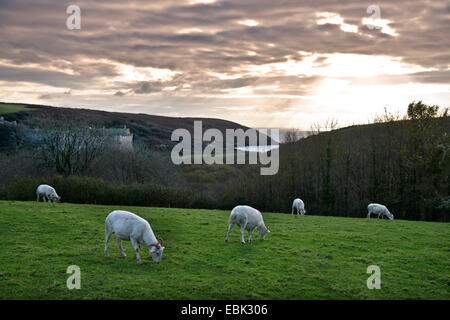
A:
x,y
292,135
328,125
388,116
71,150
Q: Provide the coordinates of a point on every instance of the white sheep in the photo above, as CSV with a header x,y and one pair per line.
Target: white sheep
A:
x,y
128,226
48,193
247,218
299,206
380,210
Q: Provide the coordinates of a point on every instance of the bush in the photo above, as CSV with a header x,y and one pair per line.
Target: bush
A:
x,y
23,188
76,189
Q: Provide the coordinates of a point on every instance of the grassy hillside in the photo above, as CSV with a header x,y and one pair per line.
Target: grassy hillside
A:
x,y
12,108
308,257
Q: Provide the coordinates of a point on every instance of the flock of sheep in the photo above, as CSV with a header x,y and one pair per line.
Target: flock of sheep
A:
x,y
128,226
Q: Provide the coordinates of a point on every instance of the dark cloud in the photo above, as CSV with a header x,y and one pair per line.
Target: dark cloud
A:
x,y
119,94
48,96
148,87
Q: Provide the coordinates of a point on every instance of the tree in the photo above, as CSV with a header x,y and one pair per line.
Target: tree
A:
x,y
328,125
419,110
292,135
425,167
328,190
71,151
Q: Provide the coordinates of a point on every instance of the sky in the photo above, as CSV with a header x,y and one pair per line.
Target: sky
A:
x,y
261,63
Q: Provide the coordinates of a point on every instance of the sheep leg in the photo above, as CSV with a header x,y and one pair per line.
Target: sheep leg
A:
x,y
242,233
37,194
107,235
228,233
119,243
368,215
136,249
250,235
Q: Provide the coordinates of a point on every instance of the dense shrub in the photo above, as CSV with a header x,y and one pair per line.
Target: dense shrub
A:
x,y
8,137
75,189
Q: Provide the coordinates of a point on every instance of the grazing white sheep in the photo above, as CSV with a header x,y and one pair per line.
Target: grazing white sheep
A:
x,y
48,193
247,218
299,206
128,226
380,210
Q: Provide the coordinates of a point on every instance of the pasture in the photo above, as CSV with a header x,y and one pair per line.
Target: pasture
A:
x,y
309,257
11,108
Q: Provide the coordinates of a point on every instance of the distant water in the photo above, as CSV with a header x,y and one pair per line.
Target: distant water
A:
x,y
258,148
281,139
302,134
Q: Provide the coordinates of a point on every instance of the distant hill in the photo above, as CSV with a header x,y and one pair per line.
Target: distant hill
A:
x,y
151,129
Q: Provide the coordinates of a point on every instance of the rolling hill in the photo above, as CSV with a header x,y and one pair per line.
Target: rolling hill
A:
x,y
151,129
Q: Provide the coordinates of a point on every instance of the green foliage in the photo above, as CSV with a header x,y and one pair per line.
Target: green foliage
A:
x,y
419,110
9,138
328,190
12,108
76,189
309,257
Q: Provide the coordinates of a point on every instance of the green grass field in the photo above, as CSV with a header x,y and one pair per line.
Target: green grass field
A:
x,y
309,257
11,108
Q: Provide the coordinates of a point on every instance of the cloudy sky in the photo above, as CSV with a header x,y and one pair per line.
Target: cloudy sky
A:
x,y
262,63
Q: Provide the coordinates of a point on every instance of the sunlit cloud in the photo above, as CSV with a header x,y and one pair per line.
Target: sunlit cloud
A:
x,y
334,18
236,108
60,65
223,76
129,73
172,88
335,65
382,24
193,2
249,22
189,30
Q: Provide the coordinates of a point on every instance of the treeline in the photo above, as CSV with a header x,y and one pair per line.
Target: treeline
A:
x,y
403,164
